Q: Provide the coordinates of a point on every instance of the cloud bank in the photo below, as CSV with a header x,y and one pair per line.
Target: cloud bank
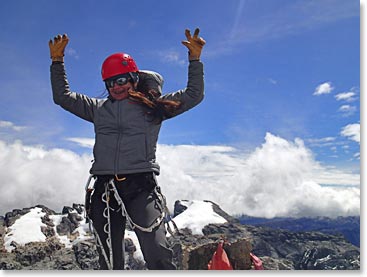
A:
x,y
32,175
279,178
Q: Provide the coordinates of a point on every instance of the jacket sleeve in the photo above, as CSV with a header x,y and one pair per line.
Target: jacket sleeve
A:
x,y
76,103
193,94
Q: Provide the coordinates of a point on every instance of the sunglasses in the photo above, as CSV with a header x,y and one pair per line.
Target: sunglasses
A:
x,y
120,81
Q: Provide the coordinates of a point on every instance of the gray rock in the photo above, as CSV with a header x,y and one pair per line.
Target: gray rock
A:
x,y
178,208
34,252
79,208
195,251
270,263
278,249
11,217
305,250
66,227
86,255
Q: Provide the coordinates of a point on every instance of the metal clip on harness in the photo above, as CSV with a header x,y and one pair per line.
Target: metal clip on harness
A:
x,y
110,187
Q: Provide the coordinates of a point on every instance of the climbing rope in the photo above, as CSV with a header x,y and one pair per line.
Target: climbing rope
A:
x,y
110,187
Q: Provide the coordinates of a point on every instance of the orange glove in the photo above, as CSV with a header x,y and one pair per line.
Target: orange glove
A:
x,y
195,44
57,47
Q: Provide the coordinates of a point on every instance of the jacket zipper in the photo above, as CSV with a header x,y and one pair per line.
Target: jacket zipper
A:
x,y
119,135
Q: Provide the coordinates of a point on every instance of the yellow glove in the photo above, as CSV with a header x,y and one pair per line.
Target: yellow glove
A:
x,y
195,44
57,47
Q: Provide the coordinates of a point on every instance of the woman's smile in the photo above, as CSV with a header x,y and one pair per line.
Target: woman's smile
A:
x,y
120,92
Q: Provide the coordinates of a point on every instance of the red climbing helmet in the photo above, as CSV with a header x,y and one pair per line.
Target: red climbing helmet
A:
x,y
117,64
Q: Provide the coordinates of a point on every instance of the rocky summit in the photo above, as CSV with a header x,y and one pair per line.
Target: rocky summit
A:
x,y
39,238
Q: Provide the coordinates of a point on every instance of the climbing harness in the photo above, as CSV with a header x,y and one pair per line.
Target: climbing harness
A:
x,y
107,226
164,209
120,179
88,193
109,189
87,202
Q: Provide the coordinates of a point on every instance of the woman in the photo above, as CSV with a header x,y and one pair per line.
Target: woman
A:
x,y
127,125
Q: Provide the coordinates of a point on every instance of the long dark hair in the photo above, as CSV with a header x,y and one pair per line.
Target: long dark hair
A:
x,y
148,93
159,108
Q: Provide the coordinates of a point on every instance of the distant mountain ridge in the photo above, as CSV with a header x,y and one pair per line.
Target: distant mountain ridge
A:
x,y
348,226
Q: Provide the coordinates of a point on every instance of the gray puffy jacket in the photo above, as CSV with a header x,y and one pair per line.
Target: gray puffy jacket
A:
x,y
125,134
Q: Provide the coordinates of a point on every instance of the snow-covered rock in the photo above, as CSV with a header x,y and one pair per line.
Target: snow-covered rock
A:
x,y
31,229
40,238
25,229
196,215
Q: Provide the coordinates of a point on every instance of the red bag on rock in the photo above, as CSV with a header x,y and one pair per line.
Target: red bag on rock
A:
x,y
258,264
220,260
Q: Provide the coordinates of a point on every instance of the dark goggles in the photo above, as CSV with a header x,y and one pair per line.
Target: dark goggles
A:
x,y
119,80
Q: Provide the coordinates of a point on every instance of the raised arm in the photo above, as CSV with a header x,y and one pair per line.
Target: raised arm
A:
x,y
78,104
193,94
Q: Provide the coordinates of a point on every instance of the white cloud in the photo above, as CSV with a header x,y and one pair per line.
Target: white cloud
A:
x,y
345,96
274,82
172,56
32,175
71,52
11,125
347,110
351,131
324,88
83,142
279,178
321,141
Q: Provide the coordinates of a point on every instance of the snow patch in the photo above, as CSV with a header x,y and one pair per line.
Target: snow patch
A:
x,y
197,215
26,229
82,231
63,239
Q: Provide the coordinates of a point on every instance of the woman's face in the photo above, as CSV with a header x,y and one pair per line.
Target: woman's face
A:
x,y
120,92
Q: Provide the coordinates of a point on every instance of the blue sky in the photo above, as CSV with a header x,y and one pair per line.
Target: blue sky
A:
x,y
288,68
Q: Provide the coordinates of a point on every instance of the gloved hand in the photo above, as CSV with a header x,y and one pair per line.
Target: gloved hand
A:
x,y
195,44
57,47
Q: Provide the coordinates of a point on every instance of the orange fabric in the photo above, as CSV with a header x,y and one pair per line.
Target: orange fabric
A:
x,y
220,260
